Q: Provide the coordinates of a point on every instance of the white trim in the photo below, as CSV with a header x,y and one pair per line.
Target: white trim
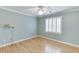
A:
x,y
71,10
64,11
11,10
18,41
70,44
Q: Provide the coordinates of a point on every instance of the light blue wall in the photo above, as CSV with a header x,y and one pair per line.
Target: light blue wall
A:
x,y
70,28
25,26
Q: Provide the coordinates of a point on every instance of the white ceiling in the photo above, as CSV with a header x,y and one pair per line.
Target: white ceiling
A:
x,y
33,11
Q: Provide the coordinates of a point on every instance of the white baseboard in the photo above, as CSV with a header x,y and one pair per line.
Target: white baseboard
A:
x,y
70,44
18,41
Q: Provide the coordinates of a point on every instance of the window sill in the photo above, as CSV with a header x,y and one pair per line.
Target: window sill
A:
x,y
53,33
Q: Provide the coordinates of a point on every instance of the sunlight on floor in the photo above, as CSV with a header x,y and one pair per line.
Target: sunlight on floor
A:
x,y
51,49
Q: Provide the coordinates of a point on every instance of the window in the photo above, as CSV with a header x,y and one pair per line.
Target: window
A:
x,y
53,24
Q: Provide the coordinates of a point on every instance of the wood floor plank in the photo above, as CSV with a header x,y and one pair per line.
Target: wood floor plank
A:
x,y
39,45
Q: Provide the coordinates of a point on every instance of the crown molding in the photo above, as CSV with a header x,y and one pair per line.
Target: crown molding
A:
x,y
7,9
62,12
71,10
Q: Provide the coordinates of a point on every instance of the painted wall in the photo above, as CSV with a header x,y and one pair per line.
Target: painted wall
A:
x,y
25,26
70,28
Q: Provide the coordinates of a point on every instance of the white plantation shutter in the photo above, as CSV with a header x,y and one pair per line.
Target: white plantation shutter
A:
x,y
59,24
53,24
50,24
47,25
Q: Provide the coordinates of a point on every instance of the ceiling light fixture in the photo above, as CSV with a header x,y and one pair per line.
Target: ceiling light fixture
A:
x,y
40,12
43,10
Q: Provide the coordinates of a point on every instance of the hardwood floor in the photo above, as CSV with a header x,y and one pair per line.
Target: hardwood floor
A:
x,y
39,45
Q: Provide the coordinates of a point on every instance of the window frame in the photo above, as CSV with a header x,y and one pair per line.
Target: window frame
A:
x,y
53,25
